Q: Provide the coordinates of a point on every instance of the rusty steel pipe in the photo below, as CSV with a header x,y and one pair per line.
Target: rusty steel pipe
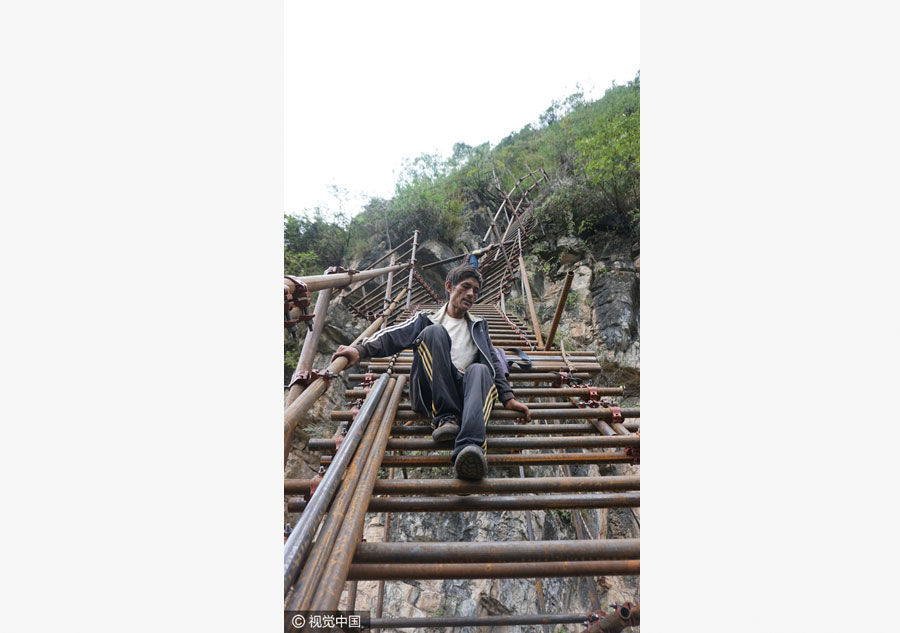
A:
x,y
443,261
503,552
494,503
298,544
332,581
560,307
304,402
496,570
516,377
519,443
404,368
387,292
616,621
337,280
535,324
310,342
366,304
349,291
407,357
412,265
609,483
394,250
523,429
537,392
543,459
320,553
556,404
538,414
472,620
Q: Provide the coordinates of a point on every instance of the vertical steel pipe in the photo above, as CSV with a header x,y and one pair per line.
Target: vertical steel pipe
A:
x,y
387,291
310,343
329,590
298,543
502,250
304,402
412,265
560,306
535,324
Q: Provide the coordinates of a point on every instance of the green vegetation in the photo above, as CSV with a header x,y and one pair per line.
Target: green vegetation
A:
x,y
590,151
312,244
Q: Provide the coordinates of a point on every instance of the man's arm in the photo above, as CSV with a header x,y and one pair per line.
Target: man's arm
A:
x,y
386,342
504,391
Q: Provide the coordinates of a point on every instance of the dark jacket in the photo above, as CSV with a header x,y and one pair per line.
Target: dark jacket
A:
x,y
399,336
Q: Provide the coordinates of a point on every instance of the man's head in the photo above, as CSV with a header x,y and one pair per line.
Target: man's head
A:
x,y
463,285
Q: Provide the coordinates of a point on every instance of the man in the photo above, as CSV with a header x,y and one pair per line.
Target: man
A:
x,y
456,374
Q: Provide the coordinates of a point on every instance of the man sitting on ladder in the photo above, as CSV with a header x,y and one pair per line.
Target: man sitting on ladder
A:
x,y
455,375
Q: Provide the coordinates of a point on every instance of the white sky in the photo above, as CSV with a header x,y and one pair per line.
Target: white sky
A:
x,y
369,84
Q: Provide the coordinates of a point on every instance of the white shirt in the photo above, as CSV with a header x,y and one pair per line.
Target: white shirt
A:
x,y
462,348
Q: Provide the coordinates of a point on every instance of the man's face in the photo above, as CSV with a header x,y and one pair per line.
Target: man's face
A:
x,y
463,295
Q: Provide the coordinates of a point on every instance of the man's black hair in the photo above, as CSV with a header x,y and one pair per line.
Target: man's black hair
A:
x,y
464,271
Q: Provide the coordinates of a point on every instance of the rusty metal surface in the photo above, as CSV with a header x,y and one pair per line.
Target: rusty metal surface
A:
x,y
560,307
529,485
298,544
472,620
599,424
387,291
304,402
412,268
513,378
329,534
503,552
536,366
618,457
339,280
332,580
535,324
522,429
348,291
556,404
310,342
349,461
621,617
517,443
494,503
495,570
502,414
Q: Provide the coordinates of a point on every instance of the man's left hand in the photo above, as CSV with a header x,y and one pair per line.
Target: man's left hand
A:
x,y
514,405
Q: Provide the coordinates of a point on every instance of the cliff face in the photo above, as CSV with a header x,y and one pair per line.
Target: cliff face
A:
x,y
602,314
603,308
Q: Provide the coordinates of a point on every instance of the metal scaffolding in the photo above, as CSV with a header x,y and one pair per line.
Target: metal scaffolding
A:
x,y
574,422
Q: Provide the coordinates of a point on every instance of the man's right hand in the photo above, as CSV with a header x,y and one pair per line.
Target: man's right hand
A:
x,y
350,353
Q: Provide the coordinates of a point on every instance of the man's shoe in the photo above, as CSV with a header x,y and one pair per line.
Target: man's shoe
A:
x,y
470,464
446,431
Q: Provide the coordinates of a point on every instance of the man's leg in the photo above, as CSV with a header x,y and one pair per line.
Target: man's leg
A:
x,y
479,394
437,379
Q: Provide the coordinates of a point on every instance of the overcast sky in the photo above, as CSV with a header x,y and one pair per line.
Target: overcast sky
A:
x,y
369,84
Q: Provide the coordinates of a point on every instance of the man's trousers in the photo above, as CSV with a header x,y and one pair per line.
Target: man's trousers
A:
x,y
439,389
